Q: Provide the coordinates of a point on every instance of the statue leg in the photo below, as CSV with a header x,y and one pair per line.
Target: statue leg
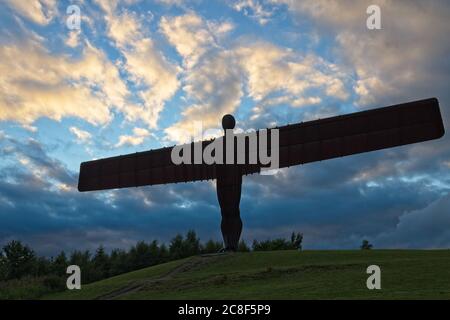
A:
x,y
229,195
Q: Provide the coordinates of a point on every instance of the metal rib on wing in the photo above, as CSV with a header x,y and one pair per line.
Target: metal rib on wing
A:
x,y
299,143
139,169
360,132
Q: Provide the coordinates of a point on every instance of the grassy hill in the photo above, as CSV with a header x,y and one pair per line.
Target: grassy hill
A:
x,y
405,274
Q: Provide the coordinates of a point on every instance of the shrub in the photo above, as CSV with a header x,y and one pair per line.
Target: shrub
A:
x,y
366,245
212,247
54,283
19,260
242,247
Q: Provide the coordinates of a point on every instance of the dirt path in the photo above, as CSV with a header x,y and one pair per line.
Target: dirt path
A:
x,y
190,264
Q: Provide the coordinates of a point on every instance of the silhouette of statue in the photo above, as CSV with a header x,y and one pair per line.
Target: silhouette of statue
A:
x,y
299,144
228,186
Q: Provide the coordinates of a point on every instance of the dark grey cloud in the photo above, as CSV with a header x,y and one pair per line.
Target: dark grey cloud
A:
x,y
33,208
327,201
32,151
425,228
323,200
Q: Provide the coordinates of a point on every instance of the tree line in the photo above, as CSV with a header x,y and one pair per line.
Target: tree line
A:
x,y
18,260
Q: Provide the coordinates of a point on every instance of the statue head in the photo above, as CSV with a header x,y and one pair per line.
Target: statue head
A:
x,y
228,122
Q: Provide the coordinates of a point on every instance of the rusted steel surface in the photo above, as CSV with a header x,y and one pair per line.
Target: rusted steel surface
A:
x,y
299,144
360,132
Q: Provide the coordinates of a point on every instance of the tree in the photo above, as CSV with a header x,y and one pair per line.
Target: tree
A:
x,y
269,245
366,245
164,253
119,260
101,264
296,240
3,267
140,256
42,267
259,246
191,244
176,247
155,253
295,243
242,247
83,260
60,264
20,260
212,246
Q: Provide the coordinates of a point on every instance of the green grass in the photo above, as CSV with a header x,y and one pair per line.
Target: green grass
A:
x,y
99,288
405,274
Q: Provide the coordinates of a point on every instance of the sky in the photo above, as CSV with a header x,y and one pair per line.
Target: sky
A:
x,y
138,74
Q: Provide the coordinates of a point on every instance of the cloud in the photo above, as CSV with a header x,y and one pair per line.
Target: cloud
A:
x,y
270,69
73,40
145,64
108,5
404,57
43,170
334,211
172,2
216,76
119,218
189,34
424,228
138,137
82,136
124,28
215,86
56,216
270,206
39,11
35,83
212,81
254,9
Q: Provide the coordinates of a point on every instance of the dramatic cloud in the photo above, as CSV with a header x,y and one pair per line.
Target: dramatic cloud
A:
x,y
190,35
216,76
215,87
139,136
272,70
73,39
253,9
425,228
38,11
56,216
35,83
407,53
82,136
28,158
146,65
213,80
172,2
